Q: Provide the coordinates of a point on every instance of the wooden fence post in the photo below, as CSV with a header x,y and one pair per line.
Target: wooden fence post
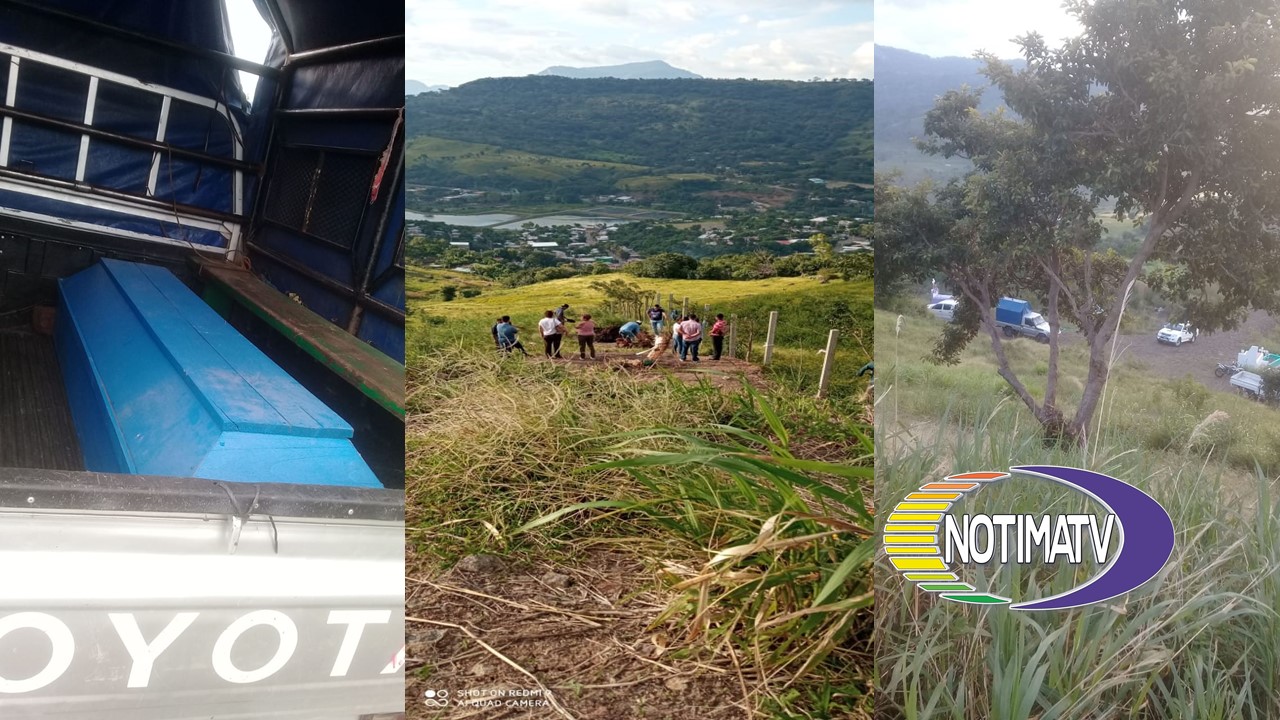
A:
x,y
828,362
768,340
733,338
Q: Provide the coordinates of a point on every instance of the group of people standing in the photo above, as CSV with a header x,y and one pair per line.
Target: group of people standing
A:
x,y
686,333
552,328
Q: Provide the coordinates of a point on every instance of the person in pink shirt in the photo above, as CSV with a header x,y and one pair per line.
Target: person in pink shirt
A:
x,y
691,331
586,337
718,329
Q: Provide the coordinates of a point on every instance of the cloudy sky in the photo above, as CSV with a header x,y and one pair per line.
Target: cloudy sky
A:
x,y
450,42
963,27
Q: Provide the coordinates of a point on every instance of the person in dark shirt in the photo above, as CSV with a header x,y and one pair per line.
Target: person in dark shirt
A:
x,y
656,316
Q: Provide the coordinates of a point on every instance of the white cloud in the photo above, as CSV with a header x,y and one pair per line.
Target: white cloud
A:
x,y
948,27
451,41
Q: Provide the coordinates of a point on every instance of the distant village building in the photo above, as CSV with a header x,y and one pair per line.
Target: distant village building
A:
x,y
543,244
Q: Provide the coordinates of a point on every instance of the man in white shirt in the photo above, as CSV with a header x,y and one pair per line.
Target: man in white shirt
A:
x,y
677,336
552,332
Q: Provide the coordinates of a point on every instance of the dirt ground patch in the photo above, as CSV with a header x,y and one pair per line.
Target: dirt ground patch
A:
x,y
725,373
583,638
1196,359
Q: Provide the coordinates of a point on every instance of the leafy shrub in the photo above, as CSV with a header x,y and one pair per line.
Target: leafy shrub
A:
x,y
448,293
1190,394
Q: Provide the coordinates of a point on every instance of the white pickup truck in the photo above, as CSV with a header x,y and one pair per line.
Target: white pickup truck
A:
x,y
944,310
1176,334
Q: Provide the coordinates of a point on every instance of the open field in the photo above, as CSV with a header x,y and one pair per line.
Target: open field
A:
x,y
478,160
807,309
1198,641
657,183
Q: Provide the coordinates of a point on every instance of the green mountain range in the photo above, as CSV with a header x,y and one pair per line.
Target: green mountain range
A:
x,y
591,135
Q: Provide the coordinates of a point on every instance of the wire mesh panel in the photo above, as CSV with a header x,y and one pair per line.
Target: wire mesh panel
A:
x,y
341,194
321,193
291,185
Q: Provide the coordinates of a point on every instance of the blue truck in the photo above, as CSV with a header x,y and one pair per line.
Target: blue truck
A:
x,y
1015,317
201,362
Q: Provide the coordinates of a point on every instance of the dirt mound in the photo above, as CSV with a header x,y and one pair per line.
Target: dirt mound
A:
x,y
725,373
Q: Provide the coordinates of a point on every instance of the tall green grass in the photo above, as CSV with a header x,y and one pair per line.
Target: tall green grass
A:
x,y
753,509
1201,641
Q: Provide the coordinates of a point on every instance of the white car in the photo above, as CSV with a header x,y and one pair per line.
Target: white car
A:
x,y
944,310
1176,334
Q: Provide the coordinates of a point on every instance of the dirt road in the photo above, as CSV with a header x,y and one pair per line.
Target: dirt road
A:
x,y
1196,359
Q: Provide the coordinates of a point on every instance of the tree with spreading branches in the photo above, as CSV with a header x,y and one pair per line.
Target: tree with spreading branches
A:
x,y
1169,108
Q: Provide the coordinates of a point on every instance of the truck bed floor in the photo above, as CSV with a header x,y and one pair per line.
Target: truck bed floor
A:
x,y
36,430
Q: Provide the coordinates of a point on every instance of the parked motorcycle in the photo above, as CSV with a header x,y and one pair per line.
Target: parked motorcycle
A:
x,y
1225,369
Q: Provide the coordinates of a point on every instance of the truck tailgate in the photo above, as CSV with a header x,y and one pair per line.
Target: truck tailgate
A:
x,y
140,597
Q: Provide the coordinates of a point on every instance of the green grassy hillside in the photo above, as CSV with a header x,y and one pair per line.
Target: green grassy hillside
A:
x,y
445,158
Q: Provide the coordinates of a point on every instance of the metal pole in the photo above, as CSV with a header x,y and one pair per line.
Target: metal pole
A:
x,y
828,362
768,340
684,307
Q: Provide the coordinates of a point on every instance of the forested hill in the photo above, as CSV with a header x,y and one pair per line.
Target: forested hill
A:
x,y
770,130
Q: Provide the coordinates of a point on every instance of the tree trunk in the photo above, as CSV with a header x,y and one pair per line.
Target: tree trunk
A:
x,y
1095,381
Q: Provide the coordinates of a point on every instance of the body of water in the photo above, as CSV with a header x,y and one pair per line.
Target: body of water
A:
x,y
464,220
550,220
505,221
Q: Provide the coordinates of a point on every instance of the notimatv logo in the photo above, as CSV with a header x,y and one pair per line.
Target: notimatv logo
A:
x,y
1131,539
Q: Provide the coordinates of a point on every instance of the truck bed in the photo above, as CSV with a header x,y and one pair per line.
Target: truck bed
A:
x,y
36,430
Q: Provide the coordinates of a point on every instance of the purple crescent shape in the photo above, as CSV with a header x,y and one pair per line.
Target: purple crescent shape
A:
x,y
1146,537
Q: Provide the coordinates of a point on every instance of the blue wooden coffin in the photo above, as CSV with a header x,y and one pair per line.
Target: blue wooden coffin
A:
x,y
159,384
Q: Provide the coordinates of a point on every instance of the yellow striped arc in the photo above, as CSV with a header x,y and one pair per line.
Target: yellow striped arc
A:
x,y
911,539
922,506
918,563
913,549
911,528
914,517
